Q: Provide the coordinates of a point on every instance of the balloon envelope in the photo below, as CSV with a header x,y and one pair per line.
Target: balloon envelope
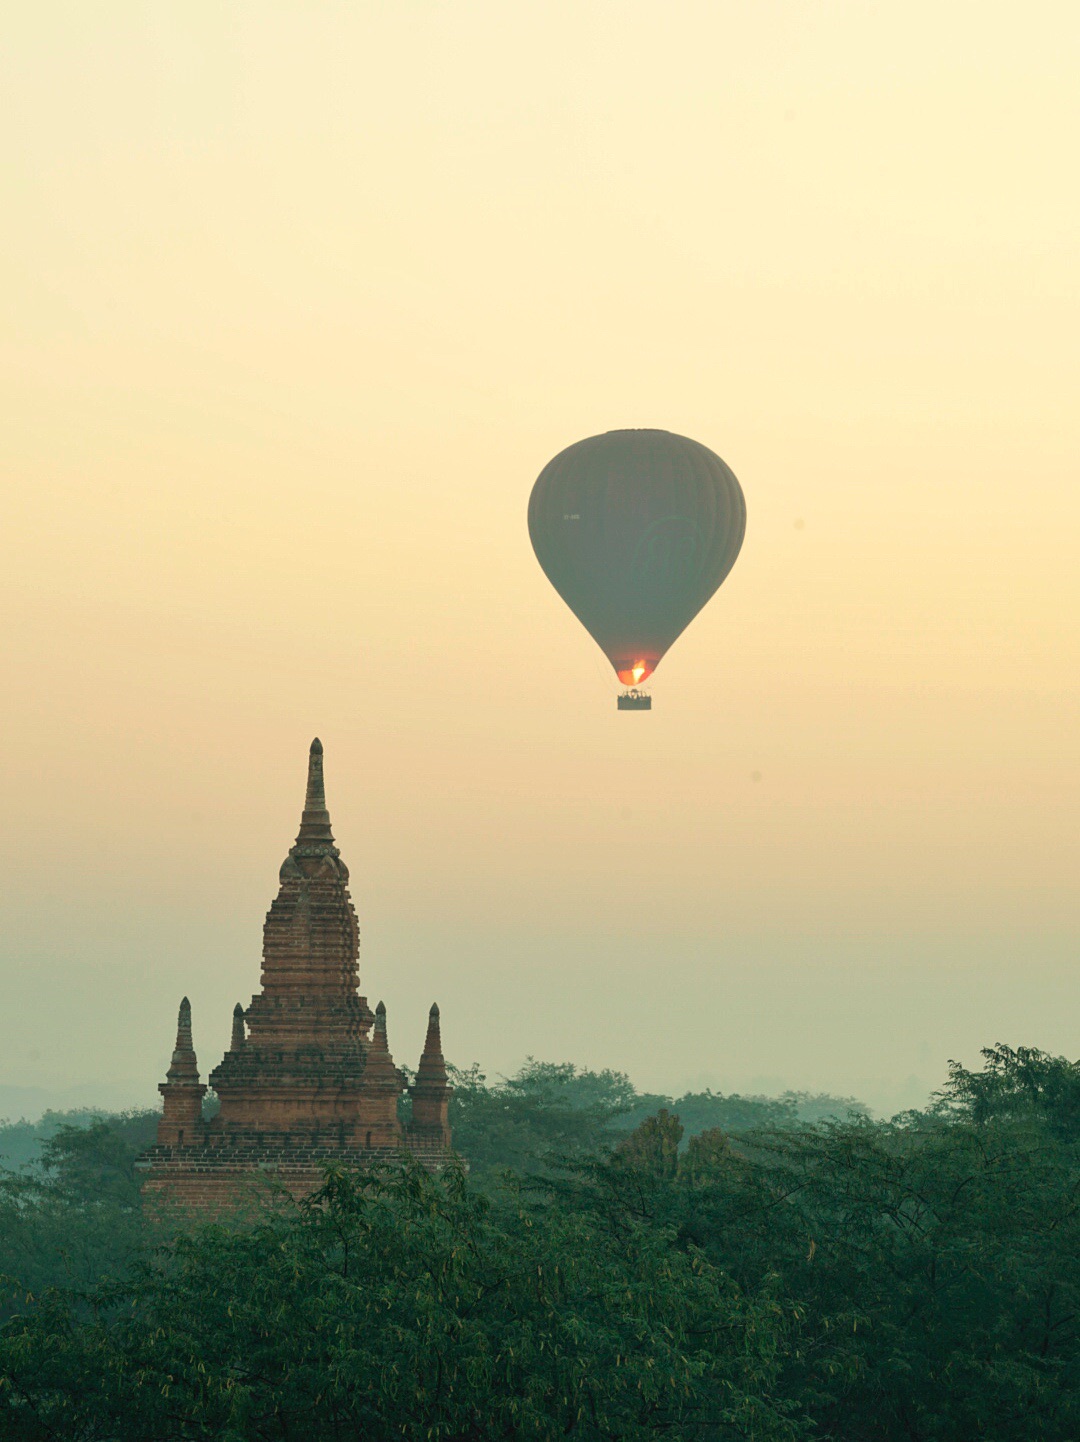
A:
x,y
636,530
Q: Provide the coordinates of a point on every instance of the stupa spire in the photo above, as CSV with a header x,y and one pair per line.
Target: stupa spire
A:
x,y
184,1068
431,1090
432,1068
379,1067
384,1084
311,942
315,822
378,1041
239,1035
181,1091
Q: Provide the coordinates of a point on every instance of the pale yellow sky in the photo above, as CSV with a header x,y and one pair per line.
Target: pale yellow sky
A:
x,y
300,298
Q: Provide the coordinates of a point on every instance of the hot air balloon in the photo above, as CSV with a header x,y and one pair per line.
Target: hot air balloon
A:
x,y
635,530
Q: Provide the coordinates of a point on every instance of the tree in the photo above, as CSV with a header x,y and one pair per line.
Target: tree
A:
x,y
546,1111
406,1307
76,1215
933,1263
552,1111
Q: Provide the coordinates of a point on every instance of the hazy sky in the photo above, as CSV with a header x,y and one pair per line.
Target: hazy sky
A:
x,y
299,298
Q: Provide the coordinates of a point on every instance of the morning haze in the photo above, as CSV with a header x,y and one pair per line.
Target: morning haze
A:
x,y
300,302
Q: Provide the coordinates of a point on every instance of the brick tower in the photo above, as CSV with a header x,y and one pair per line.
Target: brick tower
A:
x,y
308,1077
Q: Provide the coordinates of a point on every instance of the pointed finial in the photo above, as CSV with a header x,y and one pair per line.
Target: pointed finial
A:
x,y
434,1039
183,1026
378,1039
315,799
239,1035
315,822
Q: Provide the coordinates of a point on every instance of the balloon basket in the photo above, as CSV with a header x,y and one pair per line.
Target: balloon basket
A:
x,y
634,701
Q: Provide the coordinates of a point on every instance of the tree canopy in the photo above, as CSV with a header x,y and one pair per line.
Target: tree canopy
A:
x,y
602,1274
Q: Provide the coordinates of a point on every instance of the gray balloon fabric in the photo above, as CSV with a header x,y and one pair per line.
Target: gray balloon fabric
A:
x,y
636,529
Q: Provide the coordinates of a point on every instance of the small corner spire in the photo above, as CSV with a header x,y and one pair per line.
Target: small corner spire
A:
x,y
184,1067
431,1091
239,1034
378,1039
432,1068
379,1071
181,1091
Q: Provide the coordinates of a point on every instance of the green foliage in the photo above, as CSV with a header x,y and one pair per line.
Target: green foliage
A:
x,y
908,1281
823,1107
1016,1085
702,1111
551,1111
933,1262
545,1112
76,1215
409,1307
22,1142
653,1147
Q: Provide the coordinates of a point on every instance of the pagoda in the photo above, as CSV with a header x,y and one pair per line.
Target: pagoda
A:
x,y
308,1078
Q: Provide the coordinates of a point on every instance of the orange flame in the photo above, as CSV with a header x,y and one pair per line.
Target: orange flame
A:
x,y
635,674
